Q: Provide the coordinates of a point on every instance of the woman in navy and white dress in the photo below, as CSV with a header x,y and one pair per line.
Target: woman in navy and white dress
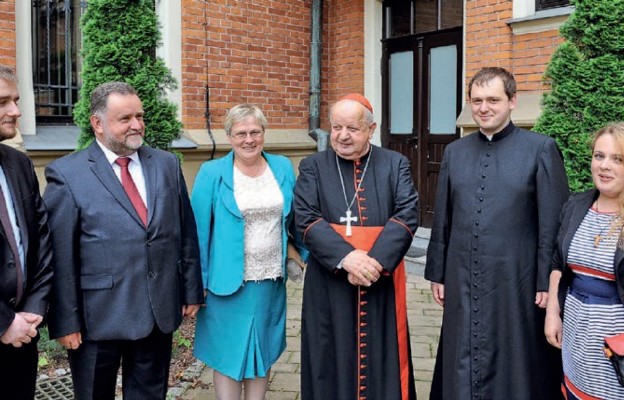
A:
x,y
588,275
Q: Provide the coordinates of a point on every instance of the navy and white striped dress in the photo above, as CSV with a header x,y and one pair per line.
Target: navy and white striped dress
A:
x,y
593,310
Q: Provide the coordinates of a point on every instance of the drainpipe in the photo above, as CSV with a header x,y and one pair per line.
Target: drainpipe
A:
x,y
315,78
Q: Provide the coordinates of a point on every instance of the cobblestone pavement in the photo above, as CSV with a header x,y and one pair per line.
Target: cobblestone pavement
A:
x,y
424,318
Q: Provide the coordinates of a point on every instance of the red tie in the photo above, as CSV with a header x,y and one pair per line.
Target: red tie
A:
x,y
8,232
131,189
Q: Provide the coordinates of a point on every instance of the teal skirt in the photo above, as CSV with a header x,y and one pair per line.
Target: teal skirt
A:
x,y
243,334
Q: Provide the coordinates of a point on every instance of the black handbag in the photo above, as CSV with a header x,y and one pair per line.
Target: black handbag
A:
x,y
614,351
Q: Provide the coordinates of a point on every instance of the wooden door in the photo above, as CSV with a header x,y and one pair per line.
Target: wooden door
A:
x,y
422,87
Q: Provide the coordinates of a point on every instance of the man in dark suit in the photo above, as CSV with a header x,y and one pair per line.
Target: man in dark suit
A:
x,y
25,255
128,267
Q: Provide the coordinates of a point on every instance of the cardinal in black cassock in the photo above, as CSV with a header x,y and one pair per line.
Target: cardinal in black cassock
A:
x,y
356,208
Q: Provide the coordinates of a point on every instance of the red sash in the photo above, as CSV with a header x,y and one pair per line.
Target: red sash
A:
x,y
364,237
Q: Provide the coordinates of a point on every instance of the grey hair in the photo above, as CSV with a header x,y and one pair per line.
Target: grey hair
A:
x,y
99,97
241,112
7,74
367,115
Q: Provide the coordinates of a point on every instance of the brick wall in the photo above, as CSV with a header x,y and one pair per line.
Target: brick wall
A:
x,y
246,51
343,52
490,42
7,33
259,51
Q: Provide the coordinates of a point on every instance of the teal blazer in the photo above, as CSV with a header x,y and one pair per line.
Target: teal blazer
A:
x,y
220,224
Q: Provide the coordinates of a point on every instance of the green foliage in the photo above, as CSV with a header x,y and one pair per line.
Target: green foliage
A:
x,y
119,42
586,78
49,349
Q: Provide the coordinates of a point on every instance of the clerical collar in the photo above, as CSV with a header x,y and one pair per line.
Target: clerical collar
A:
x,y
500,135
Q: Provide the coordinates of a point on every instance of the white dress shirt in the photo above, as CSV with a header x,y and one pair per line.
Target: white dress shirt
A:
x,y
135,169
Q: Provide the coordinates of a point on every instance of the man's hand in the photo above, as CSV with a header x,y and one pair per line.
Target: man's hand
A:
x,y
22,330
71,341
541,299
365,269
354,281
190,310
437,289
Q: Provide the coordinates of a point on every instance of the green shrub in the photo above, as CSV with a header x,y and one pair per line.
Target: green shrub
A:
x,y
119,42
586,80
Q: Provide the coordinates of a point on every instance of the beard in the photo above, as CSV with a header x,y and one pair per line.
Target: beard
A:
x,y
131,144
8,131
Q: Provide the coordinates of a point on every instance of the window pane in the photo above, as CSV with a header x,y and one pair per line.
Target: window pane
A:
x,y
398,18
402,93
443,90
56,43
426,15
546,4
452,13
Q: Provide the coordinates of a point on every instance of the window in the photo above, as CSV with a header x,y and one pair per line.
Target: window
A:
x,y
546,4
403,17
56,61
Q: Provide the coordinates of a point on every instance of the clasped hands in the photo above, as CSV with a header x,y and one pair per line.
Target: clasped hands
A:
x,y
362,269
22,330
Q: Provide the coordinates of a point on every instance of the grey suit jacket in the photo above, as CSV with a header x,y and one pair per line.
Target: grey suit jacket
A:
x,y
32,219
114,277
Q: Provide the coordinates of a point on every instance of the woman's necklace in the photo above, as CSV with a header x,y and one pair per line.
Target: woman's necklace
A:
x,y
244,169
348,218
598,238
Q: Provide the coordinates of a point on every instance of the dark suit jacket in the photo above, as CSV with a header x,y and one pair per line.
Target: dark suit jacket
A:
x,y
571,217
115,278
32,219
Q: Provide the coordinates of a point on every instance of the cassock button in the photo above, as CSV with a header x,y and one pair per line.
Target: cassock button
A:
x,y
12,301
480,198
476,235
475,297
475,248
482,187
476,370
475,358
483,176
490,144
151,274
477,223
486,165
487,154
475,284
475,322
475,272
475,334
476,261
475,310
479,210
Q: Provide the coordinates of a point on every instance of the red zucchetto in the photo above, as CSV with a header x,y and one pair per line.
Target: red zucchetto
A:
x,y
359,98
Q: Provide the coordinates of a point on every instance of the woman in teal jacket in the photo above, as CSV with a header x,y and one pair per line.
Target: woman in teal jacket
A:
x,y
243,208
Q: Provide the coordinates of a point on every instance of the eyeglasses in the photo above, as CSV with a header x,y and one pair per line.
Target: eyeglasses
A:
x,y
243,135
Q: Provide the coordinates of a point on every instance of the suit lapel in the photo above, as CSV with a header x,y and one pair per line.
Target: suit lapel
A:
x,y
13,181
227,192
576,218
105,174
150,174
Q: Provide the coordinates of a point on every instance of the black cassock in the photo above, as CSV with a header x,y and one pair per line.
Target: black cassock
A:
x,y
352,346
495,225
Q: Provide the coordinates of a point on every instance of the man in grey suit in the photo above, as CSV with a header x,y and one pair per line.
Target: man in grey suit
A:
x,y
127,253
25,255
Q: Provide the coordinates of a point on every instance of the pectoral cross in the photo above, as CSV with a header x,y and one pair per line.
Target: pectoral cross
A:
x,y
348,219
